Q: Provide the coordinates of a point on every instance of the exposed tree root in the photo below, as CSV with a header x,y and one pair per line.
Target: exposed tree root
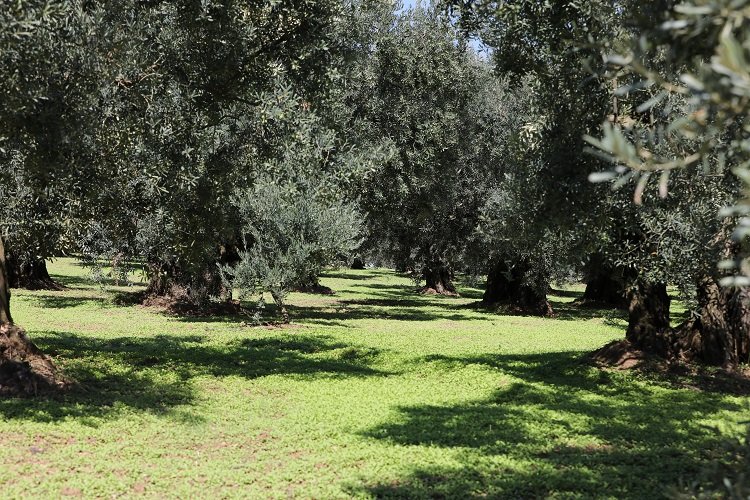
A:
x,y
682,373
24,369
428,290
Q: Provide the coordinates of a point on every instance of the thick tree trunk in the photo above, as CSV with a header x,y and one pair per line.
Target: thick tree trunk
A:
x,y
439,279
24,369
506,285
162,278
279,300
30,275
605,285
648,318
720,332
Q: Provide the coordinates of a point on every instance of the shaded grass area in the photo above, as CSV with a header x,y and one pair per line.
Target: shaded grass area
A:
x,y
376,392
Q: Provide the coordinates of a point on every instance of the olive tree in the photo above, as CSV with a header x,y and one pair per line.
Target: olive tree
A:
x,y
690,134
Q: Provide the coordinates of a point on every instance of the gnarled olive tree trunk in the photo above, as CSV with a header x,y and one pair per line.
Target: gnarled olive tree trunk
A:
x,y
506,284
30,275
438,278
719,334
24,369
648,318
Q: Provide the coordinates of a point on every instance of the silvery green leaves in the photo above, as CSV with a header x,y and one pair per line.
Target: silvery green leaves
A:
x,y
698,59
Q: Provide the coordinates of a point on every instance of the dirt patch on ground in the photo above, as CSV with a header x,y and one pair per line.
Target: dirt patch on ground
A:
x,y
622,355
24,369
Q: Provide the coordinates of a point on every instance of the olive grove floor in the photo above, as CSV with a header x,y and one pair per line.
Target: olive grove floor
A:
x,y
376,392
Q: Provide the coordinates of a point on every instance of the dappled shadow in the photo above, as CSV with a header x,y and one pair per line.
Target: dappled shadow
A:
x,y
567,429
569,311
84,281
65,301
573,294
343,275
155,374
398,310
73,281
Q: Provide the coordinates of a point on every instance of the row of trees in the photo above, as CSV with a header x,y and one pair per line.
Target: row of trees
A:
x,y
229,145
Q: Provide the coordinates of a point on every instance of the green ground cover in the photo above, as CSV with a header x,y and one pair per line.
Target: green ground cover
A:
x,y
376,391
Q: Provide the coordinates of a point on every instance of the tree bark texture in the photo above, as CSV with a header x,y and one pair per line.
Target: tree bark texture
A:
x,y
648,318
24,369
279,300
718,334
5,316
438,278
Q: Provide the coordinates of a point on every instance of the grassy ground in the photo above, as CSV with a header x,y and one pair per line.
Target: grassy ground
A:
x,y
377,392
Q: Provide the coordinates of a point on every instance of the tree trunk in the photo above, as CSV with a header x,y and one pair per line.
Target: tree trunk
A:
x,y
507,285
605,284
439,279
358,263
29,275
5,316
279,300
648,318
24,369
720,334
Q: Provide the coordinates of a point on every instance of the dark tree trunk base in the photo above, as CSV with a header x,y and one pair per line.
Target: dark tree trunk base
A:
x,y
24,369
177,293
604,292
648,319
31,275
719,335
313,286
358,263
506,289
606,286
440,290
439,281
622,355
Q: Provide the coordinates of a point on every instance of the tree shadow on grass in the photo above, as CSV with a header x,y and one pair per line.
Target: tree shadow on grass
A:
x,y
399,310
564,429
155,374
569,311
343,275
65,301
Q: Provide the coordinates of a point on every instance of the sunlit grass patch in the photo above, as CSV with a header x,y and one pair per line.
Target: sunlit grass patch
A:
x,y
377,392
